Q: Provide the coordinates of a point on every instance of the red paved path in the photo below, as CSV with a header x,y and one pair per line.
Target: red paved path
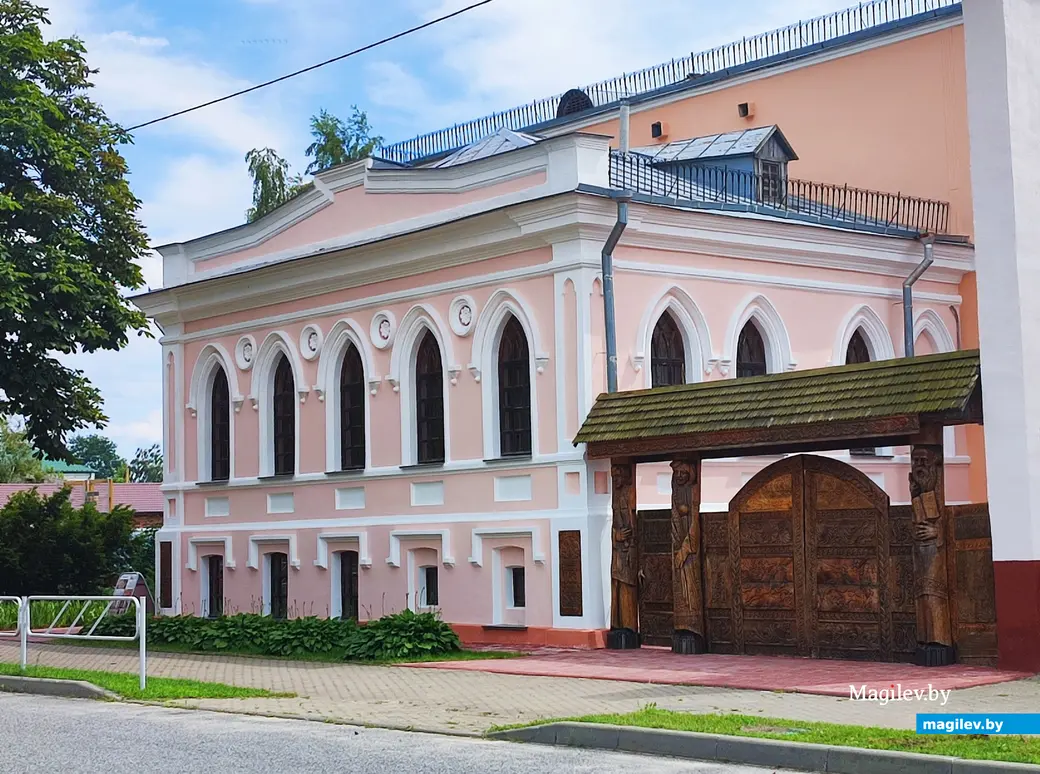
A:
x,y
761,673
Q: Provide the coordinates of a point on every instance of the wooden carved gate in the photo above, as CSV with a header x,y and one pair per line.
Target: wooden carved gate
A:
x,y
655,577
808,562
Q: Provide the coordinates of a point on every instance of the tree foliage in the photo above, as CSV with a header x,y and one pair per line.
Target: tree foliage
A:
x,y
49,547
69,233
335,142
339,142
18,462
147,465
99,454
273,185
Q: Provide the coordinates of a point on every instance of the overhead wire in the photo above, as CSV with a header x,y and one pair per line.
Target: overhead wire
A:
x,y
308,69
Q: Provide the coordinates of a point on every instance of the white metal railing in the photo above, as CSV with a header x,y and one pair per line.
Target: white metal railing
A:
x,y
53,631
13,635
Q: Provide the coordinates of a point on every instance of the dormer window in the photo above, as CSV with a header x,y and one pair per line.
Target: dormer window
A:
x,y
771,182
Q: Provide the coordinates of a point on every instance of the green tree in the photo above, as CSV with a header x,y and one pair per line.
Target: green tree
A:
x,y
147,465
69,234
18,462
99,454
49,547
273,185
338,142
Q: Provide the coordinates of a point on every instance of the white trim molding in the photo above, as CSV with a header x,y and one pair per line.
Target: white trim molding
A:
x,y
479,533
875,334
209,540
360,537
759,309
261,394
255,542
397,535
419,319
487,335
695,333
928,321
345,333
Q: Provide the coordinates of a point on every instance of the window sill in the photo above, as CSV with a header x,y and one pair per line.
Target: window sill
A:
x,y
508,459
423,466
212,484
351,473
505,627
277,477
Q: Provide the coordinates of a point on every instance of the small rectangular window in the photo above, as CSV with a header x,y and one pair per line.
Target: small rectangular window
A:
x,y
215,586
517,588
428,596
165,574
772,182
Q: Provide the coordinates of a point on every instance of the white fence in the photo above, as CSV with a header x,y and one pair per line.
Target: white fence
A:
x,y
74,631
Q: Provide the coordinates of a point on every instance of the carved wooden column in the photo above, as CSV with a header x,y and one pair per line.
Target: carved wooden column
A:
x,y
687,589
624,560
931,589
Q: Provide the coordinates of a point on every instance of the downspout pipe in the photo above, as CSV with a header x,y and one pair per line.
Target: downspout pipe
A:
x,y
908,295
607,266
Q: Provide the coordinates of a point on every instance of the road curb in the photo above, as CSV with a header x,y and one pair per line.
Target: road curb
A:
x,y
46,686
778,753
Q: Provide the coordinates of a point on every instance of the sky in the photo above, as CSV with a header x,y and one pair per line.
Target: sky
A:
x,y
157,56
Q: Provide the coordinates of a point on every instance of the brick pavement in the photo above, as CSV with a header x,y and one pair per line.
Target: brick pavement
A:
x,y
459,701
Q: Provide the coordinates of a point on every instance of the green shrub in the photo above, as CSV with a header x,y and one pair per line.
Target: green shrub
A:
x,y
121,625
403,635
309,635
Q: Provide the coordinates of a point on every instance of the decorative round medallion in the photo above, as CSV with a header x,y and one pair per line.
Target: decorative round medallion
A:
x,y
384,326
311,340
245,351
461,314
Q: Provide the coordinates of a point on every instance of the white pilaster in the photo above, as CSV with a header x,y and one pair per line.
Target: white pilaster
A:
x,y
1004,124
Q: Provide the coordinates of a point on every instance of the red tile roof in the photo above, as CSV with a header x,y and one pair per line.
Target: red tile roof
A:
x,y
143,498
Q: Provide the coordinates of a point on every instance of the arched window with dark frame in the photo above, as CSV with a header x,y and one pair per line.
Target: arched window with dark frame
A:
x,y
514,391
667,353
284,425
751,352
220,428
858,352
429,401
352,411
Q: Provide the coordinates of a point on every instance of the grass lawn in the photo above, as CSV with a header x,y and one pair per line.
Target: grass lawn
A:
x,y
337,656
1019,749
158,688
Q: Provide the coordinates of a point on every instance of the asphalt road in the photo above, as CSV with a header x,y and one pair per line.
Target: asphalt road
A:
x,y
41,735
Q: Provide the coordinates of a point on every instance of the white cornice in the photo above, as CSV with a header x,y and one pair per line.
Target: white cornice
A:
x,y
558,219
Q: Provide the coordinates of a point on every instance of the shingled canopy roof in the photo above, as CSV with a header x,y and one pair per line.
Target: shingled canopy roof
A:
x,y
880,404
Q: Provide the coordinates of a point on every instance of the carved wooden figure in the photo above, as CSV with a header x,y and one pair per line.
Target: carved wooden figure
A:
x,y
687,589
624,561
934,632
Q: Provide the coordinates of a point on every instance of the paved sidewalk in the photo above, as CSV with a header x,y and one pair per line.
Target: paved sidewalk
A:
x,y
443,700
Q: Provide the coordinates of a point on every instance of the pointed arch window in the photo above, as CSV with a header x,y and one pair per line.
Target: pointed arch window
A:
x,y
220,428
352,411
857,351
751,352
284,408
514,390
667,353
429,402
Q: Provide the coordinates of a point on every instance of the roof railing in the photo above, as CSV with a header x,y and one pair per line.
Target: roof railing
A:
x,y
794,37
777,195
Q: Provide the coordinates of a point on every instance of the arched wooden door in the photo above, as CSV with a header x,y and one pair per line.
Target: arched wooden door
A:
x,y
808,546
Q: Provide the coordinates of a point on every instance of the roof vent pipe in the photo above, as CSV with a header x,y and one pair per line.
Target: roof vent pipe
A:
x,y
623,131
908,295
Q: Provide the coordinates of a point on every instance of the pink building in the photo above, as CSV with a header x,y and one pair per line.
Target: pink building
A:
x,y
370,394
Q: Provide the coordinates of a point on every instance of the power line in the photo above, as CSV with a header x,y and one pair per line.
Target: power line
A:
x,y
356,51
